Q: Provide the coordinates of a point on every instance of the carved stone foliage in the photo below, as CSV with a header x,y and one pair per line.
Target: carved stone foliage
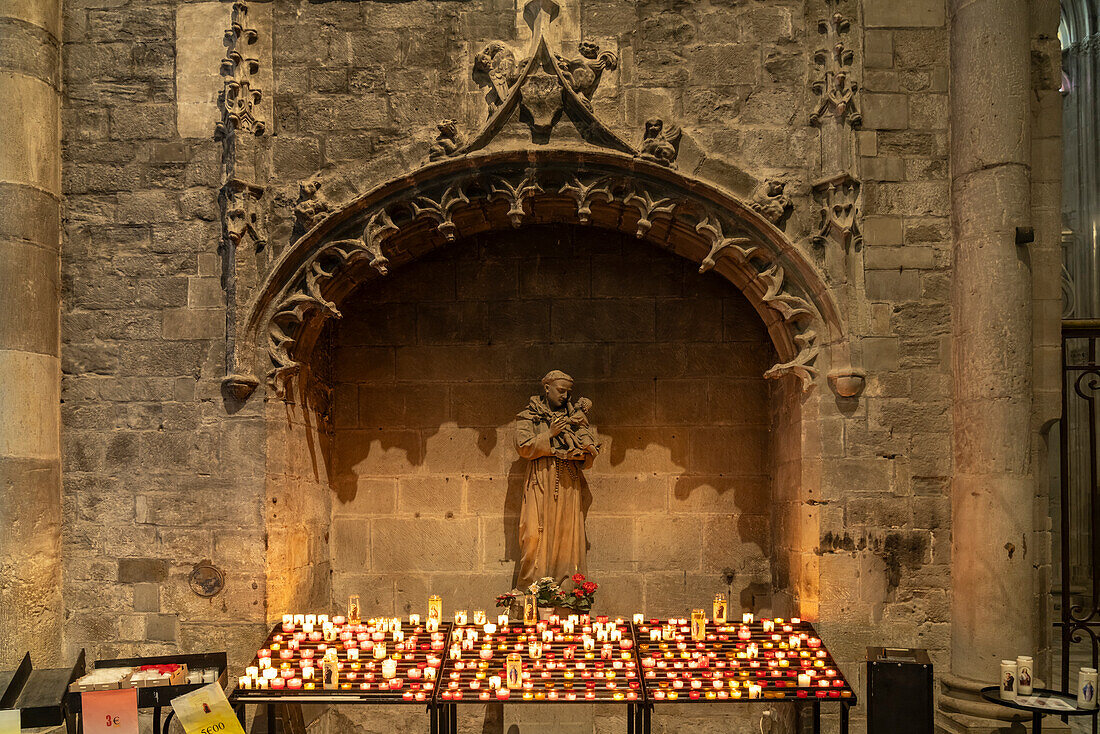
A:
x,y
240,96
771,201
834,85
307,300
538,87
838,209
613,200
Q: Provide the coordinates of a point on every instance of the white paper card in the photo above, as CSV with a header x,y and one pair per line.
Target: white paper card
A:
x,y
9,721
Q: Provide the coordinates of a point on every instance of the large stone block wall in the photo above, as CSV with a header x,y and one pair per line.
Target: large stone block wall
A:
x,y
432,364
158,477
161,472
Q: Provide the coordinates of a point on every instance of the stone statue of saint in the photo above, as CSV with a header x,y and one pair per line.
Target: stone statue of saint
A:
x,y
554,435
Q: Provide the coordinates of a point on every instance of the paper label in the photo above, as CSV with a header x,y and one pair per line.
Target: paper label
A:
x,y
1044,702
110,712
206,711
9,721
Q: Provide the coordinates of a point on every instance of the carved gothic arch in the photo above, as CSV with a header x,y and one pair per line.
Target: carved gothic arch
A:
x,y
406,217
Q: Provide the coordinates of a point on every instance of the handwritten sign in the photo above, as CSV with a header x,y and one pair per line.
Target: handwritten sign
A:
x,y
110,712
206,711
9,721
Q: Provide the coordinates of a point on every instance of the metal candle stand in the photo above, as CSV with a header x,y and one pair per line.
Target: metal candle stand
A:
x,y
443,711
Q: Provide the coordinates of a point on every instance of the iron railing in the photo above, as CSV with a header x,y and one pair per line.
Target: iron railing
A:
x,y
1079,508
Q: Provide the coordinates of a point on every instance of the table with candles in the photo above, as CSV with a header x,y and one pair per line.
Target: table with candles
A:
x,y
640,663
700,660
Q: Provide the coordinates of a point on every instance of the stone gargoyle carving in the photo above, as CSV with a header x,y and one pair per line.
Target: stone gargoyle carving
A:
x,y
770,200
447,142
660,142
497,69
583,75
312,205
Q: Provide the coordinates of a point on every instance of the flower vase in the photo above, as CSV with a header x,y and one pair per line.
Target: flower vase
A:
x,y
544,613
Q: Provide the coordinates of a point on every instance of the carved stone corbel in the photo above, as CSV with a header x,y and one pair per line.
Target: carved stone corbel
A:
x,y
847,382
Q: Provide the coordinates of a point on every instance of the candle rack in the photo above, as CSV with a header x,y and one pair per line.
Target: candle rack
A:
x,y
639,665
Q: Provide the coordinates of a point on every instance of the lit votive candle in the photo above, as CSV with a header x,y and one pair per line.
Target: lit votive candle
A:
x,y
769,625
299,619
754,690
746,618
379,650
278,684
803,680
294,684
460,616
389,668
502,620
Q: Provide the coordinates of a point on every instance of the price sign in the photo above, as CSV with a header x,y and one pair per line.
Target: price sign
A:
x,y
110,712
206,711
9,721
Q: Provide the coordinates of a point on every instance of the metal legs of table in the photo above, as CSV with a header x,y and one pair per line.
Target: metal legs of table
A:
x,y
446,720
1036,723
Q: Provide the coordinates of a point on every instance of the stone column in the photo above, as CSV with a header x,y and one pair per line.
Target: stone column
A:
x,y
994,608
30,365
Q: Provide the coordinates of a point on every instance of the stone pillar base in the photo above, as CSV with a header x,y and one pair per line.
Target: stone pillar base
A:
x,y
955,723
962,710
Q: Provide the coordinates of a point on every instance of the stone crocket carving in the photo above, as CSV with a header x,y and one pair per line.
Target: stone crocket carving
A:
x,y
838,98
661,142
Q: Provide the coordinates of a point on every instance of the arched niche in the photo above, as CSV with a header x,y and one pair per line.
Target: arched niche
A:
x,y
398,222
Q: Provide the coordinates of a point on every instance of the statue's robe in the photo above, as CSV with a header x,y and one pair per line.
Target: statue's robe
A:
x,y
551,523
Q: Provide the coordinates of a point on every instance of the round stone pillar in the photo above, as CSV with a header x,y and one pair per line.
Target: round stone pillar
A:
x,y
994,608
30,365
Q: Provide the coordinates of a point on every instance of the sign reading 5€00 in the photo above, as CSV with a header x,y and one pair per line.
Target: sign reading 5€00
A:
x,y
206,711
110,712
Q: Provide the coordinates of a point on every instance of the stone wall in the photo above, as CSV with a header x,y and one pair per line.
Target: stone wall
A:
x,y
432,364
158,477
162,470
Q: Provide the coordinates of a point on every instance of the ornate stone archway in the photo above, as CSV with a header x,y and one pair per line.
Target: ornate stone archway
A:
x,y
402,219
